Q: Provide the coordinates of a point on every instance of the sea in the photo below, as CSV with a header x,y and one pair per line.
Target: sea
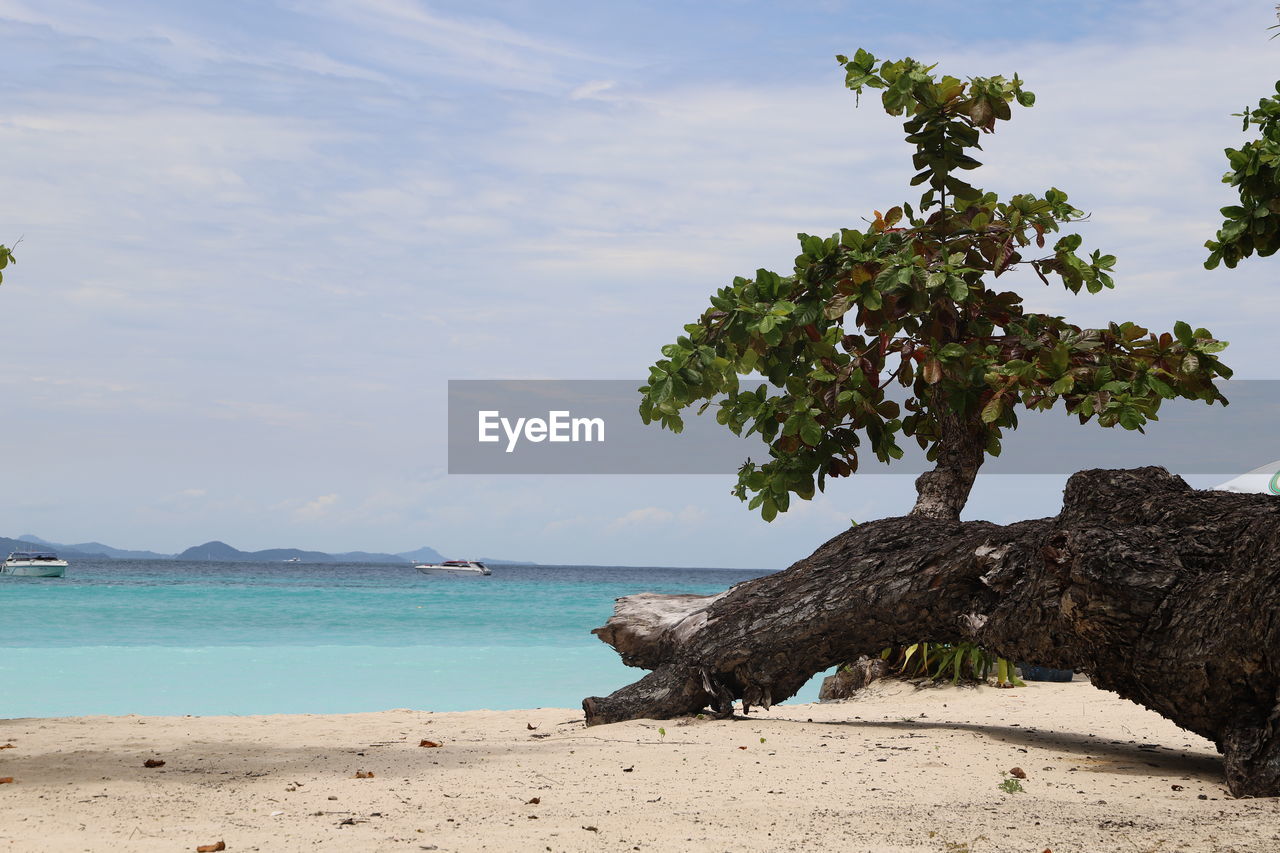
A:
x,y
164,637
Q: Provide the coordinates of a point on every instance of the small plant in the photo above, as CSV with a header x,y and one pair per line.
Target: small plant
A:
x,y
1007,675
662,732
955,661
1011,786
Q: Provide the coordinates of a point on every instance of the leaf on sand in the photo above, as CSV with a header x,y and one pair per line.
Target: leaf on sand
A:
x,y
591,828
364,774
153,762
430,744
212,848
6,780
8,746
534,801
530,726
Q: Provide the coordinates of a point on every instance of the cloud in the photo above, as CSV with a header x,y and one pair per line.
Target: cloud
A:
x,y
277,248
565,524
657,516
410,37
316,509
641,517
592,89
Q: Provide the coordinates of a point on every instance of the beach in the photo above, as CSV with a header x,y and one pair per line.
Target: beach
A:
x,y
899,768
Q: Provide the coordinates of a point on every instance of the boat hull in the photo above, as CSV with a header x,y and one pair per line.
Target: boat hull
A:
x,y
34,570
437,570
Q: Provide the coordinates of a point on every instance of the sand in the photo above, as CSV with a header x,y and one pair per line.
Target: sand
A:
x,y
899,768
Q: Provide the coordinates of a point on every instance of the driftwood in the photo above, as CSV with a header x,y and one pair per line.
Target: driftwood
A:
x,y
1164,594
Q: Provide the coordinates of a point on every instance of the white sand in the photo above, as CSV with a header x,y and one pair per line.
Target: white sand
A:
x,y
898,769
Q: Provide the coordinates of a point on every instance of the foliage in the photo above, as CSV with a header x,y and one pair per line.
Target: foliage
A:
x,y
1007,674
1253,225
909,299
938,661
6,258
1011,786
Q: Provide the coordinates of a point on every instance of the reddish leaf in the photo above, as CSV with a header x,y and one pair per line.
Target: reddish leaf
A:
x,y
932,371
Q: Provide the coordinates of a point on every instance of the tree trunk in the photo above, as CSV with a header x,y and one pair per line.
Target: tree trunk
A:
x,y
1166,595
943,492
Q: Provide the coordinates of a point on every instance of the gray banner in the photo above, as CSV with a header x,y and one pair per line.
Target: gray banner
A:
x,y
591,426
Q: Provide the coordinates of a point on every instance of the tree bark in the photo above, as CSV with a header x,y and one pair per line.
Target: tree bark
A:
x,y
943,492
1167,595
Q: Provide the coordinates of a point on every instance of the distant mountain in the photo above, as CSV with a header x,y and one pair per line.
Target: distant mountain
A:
x,y
422,555
222,552
431,555
32,543
368,557
96,548
8,546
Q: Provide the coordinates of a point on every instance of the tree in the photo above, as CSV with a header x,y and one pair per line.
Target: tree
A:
x,y
6,258
910,299
1167,595
1253,225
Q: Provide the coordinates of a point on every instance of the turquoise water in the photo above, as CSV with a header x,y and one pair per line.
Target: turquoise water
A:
x,y
167,637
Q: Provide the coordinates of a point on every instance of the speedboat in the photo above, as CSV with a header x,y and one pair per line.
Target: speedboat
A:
x,y
455,567
34,564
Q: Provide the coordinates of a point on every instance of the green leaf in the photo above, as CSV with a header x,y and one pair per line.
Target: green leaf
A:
x,y
811,433
1182,331
768,509
992,410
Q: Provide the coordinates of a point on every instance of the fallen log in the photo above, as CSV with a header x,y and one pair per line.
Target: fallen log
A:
x,y
1166,595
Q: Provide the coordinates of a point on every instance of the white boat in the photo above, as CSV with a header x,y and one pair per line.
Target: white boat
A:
x,y
34,564
294,560
455,567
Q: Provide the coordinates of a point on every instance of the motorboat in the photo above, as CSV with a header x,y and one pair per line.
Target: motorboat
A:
x,y
454,567
34,564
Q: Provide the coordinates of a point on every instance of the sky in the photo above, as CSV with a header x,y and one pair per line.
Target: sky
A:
x,y
258,239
